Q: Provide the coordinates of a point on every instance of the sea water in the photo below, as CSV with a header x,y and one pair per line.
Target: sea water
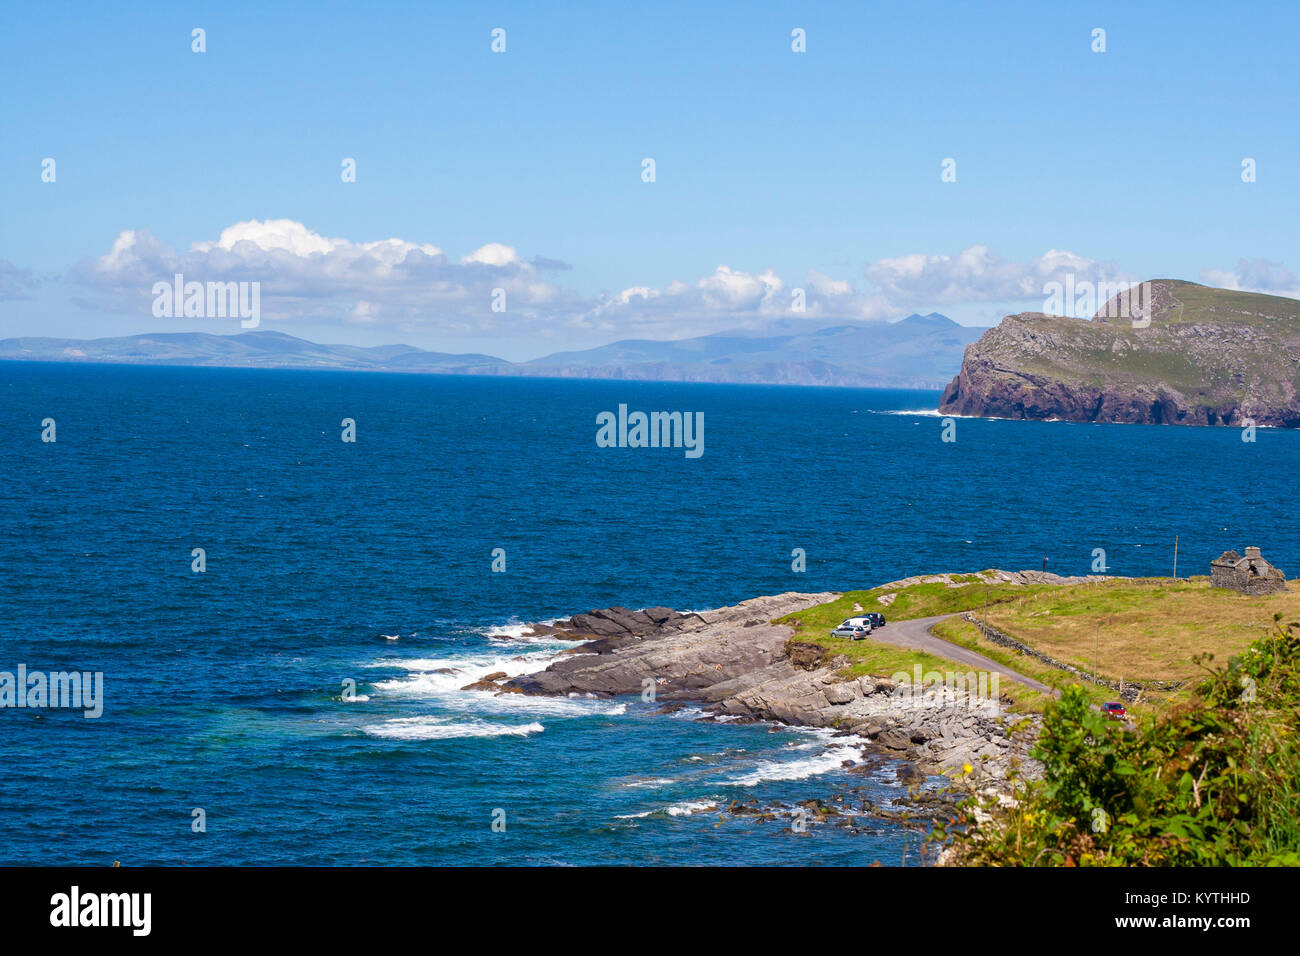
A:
x,y
298,700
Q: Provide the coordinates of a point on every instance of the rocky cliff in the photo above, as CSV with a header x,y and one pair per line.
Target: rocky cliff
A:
x,y
741,665
1190,355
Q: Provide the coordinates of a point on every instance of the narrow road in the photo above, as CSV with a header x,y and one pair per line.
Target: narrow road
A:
x,y
915,635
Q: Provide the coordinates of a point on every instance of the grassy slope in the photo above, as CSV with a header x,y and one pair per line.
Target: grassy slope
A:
x,y
1202,303
920,600
968,635
1140,628
1086,355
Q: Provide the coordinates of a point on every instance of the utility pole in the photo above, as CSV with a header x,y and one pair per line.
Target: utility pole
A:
x,y
1175,557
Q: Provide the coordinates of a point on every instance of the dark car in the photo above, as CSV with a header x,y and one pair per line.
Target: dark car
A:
x,y
1114,710
877,620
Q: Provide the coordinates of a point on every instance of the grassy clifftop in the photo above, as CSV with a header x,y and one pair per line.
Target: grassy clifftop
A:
x,y
1131,629
1207,357
1142,628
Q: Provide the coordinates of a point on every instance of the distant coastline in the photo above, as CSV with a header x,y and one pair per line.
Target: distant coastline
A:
x,y
918,352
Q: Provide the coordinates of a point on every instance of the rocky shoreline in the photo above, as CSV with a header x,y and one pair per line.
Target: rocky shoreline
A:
x,y
737,664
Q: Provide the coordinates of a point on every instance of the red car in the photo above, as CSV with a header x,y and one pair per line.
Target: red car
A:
x,y
1114,710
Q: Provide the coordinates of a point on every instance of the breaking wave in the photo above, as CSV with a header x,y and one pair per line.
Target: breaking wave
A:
x,y
445,728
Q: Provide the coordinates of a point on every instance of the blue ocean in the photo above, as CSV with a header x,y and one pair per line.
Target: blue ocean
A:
x,y
299,702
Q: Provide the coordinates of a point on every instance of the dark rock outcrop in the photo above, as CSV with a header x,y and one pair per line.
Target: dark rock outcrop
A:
x,y
614,622
740,665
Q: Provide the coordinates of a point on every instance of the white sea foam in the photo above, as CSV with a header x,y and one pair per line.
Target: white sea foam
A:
x,y
686,809
550,706
514,632
800,768
935,413
508,631
435,676
445,728
438,678
695,713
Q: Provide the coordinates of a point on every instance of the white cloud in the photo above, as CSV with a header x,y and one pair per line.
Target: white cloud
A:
x,y
730,287
823,284
305,275
364,313
732,298
1255,275
292,237
409,286
978,274
728,298
493,254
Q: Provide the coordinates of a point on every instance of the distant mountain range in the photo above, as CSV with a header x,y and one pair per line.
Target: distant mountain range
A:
x,y
920,351
242,350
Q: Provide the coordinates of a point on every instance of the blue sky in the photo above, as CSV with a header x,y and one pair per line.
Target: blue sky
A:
x,y
816,170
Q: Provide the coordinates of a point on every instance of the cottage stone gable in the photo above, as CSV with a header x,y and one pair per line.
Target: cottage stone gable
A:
x,y
1248,573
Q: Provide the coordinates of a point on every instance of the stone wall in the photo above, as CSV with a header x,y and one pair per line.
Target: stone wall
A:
x,y
1127,690
1224,576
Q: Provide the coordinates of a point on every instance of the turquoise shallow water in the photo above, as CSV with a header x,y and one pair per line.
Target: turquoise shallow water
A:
x,y
224,690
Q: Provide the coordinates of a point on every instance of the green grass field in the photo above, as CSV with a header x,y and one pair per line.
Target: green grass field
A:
x,y
868,657
1135,629
1141,628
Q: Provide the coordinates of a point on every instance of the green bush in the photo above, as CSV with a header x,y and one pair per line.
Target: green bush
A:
x,y
1213,782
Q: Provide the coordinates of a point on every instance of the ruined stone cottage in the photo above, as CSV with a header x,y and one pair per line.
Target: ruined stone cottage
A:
x,y
1249,574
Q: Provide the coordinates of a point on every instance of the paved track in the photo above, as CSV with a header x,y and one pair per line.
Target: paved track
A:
x,y
915,634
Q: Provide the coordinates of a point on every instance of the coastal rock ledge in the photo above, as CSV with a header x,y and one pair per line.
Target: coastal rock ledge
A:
x,y
737,663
